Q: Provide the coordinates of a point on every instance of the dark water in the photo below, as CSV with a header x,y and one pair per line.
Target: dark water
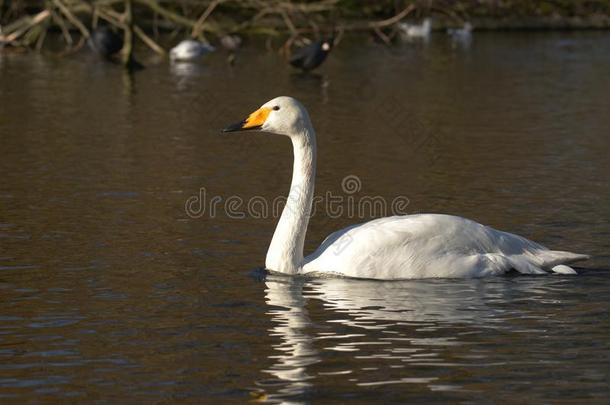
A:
x,y
109,291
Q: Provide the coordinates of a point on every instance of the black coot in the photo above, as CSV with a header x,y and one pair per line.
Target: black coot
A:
x,y
106,42
311,56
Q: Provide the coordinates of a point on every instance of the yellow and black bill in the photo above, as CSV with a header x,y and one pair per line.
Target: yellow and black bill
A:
x,y
253,122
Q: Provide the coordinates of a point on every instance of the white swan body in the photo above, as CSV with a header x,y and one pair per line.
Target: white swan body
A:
x,y
431,245
400,247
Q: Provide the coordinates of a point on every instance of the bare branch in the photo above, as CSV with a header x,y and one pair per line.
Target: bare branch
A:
x,y
75,21
198,27
148,41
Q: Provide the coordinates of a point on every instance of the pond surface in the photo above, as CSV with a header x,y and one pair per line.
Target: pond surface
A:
x,y
111,291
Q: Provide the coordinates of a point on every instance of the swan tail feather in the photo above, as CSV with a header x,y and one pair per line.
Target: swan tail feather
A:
x,y
551,258
546,261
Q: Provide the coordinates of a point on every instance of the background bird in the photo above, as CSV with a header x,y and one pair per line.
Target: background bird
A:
x,y
311,56
105,42
461,33
190,50
230,42
409,30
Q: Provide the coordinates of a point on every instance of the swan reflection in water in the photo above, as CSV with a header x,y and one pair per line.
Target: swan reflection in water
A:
x,y
295,350
185,74
381,329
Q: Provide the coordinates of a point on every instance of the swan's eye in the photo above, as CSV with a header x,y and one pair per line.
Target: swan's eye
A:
x,y
277,107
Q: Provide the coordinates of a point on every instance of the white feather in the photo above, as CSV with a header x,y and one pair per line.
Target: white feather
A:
x,y
430,245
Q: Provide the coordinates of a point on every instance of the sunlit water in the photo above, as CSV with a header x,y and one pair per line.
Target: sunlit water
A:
x,y
111,292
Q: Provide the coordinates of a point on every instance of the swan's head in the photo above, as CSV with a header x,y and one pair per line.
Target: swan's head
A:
x,y
282,115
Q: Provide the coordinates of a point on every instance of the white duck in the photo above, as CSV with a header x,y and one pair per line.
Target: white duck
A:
x,y
399,247
189,50
409,30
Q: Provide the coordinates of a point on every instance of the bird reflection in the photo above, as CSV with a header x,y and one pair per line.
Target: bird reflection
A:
x,y
296,352
185,73
461,37
401,324
414,301
182,69
307,82
129,84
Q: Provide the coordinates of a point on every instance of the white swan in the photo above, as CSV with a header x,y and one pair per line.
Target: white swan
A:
x,y
399,247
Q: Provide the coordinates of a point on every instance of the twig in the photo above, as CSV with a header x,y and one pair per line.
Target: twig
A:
x,y
198,27
383,23
382,36
315,27
32,35
42,37
127,51
64,29
178,19
156,25
289,23
24,25
112,17
75,21
339,36
448,13
148,41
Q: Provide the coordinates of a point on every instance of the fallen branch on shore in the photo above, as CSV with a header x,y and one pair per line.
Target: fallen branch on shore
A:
x,y
214,19
273,18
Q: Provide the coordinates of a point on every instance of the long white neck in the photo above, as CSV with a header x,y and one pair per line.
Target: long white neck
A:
x,y
285,252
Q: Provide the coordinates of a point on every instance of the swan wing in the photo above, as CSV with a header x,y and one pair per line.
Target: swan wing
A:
x,y
431,245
